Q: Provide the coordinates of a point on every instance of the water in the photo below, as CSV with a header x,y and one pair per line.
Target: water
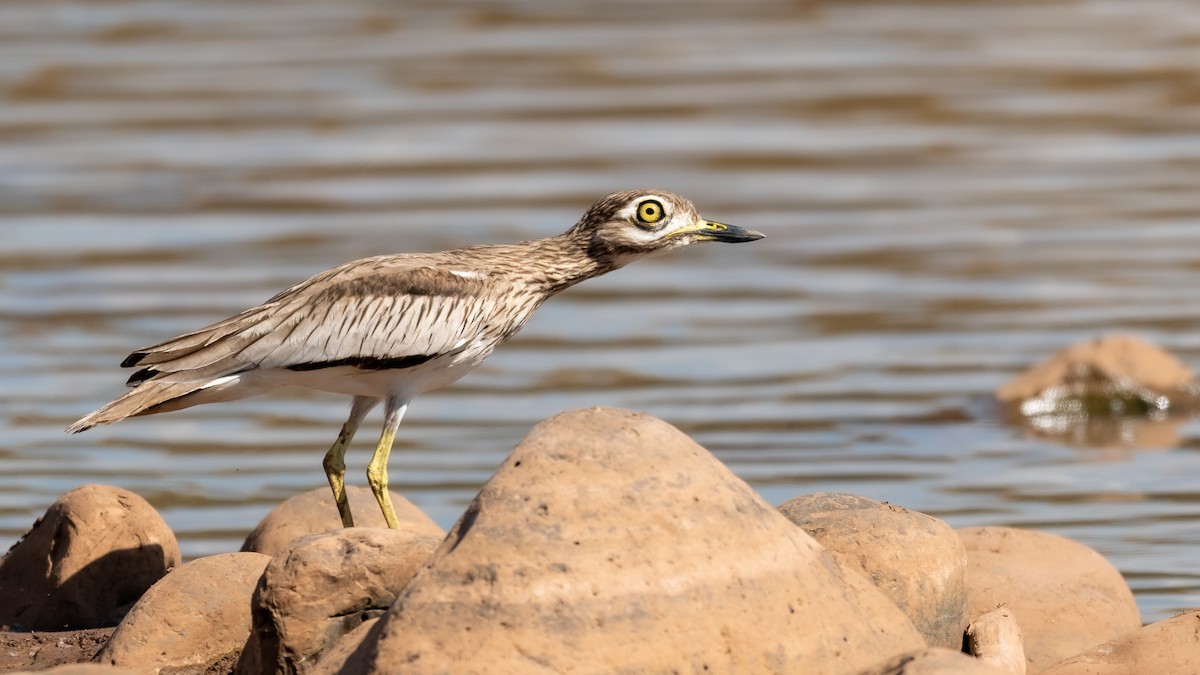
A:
x,y
952,191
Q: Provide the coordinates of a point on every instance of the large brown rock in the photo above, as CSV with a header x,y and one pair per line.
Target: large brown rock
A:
x,y
93,553
610,542
1169,647
196,616
916,560
322,587
1066,597
314,512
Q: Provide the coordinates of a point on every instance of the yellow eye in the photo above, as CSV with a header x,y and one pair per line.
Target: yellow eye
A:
x,y
650,211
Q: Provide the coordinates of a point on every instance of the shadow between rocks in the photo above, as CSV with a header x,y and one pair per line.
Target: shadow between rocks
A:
x,y
97,596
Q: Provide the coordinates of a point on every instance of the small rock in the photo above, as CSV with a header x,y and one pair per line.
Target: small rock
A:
x,y
1065,596
95,552
608,541
995,638
916,560
1166,647
314,512
323,586
196,616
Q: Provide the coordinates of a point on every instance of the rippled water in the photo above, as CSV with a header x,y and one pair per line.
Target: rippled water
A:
x,y
951,191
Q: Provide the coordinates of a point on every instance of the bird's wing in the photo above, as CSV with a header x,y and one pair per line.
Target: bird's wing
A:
x,y
370,316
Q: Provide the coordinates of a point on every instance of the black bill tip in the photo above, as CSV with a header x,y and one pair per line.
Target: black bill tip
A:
x,y
730,234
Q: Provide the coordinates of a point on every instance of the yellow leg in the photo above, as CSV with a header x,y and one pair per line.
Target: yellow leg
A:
x,y
377,476
335,459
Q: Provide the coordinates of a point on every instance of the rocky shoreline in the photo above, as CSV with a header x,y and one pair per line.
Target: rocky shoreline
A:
x,y
608,541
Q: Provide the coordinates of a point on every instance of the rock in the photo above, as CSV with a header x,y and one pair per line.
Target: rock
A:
x,y
933,661
93,553
1169,647
196,616
995,639
314,512
1065,596
610,542
323,586
916,560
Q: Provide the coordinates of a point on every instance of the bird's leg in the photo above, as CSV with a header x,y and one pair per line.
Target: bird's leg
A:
x,y
335,459
377,478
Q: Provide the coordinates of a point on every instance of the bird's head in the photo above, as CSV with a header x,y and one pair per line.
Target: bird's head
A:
x,y
625,226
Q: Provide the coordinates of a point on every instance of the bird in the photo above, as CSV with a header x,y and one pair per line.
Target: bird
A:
x,y
384,329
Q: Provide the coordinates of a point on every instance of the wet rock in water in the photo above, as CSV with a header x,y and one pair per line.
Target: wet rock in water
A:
x,y
916,560
934,661
322,587
194,617
1101,383
1164,648
1113,374
92,555
608,541
314,512
1066,597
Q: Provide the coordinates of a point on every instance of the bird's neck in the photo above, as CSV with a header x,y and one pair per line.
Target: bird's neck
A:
x,y
566,260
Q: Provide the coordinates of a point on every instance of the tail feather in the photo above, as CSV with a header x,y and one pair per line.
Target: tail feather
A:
x,y
201,348
148,398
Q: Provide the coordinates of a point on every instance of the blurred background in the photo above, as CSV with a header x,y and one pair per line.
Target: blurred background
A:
x,y
952,191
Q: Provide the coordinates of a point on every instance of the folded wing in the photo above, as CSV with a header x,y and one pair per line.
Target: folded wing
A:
x,y
373,318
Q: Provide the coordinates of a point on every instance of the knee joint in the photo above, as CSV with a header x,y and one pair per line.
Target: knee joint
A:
x,y
377,475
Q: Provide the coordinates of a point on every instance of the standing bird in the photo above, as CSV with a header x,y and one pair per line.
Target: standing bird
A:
x,y
390,327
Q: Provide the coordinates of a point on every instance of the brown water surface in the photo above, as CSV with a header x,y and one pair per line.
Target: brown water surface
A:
x,y
951,191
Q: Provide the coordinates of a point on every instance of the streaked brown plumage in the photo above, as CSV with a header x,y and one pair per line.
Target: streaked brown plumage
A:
x,y
390,327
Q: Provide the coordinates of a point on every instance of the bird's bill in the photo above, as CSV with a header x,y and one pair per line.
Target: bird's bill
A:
x,y
711,230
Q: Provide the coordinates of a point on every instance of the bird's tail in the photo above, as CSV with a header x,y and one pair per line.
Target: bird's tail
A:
x,y
146,399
